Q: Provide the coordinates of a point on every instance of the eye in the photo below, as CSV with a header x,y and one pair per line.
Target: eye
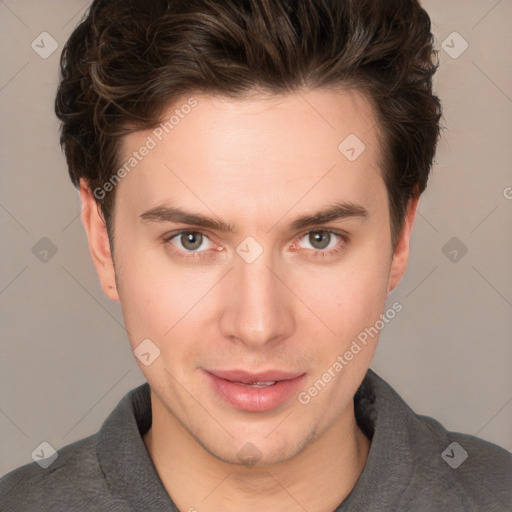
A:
x,y
189,241
319,239
323,242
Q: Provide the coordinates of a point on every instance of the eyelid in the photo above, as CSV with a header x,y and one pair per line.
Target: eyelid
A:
x,y
339,232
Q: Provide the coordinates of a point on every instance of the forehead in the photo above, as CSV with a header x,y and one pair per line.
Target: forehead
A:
x,y
268,150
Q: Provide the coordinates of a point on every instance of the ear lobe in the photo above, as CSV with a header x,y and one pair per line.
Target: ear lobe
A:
x,y
401,250
99,245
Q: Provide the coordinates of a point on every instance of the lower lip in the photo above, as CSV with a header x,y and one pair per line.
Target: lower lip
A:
x,y
255,399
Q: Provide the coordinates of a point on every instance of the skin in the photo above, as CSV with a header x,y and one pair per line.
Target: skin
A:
x,y
257,164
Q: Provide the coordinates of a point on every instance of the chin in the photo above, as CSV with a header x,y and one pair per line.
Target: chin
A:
x,y
261,452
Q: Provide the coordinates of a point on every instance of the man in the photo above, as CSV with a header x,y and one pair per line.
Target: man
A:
x,y
250,172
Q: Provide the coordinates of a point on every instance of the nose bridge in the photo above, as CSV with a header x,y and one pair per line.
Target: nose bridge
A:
x,y
258,311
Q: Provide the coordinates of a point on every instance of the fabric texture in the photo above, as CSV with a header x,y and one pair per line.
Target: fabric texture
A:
x,y
410,466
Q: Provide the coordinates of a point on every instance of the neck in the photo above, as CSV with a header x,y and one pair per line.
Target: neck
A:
x,y
319,478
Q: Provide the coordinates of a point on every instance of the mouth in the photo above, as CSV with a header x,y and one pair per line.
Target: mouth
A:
x,y
254,392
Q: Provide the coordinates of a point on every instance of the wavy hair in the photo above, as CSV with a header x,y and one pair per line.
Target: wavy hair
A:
x,y
128,60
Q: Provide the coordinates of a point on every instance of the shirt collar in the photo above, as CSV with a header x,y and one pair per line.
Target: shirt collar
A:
x,y
385,418
124,459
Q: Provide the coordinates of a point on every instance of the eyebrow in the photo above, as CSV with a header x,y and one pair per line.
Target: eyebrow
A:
x,y
336,211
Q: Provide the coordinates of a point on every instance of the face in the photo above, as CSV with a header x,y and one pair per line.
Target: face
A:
x,y
268,290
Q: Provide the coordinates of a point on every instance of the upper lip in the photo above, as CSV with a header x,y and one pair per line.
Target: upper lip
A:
x,y
251,378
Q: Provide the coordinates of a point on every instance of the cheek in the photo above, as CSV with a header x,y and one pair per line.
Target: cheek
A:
x,y
152,298
165,301
351,295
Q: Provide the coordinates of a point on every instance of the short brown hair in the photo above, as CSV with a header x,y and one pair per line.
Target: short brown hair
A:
x,y
127,61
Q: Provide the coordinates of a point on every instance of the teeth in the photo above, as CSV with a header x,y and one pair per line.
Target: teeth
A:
x,y
257,384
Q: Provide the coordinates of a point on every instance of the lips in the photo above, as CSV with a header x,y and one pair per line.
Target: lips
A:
x,y
254,392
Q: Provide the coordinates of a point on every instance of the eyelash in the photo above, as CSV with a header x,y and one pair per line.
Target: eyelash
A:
x,y
188,255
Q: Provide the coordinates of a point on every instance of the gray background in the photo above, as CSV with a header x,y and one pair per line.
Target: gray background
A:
x,y
65,360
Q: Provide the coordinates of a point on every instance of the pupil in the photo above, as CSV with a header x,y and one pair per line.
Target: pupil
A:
x,y
320,237
194,239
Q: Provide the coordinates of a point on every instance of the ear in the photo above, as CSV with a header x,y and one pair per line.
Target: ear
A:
x,y
99,246
401,250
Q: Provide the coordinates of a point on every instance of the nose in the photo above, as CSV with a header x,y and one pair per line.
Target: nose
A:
x,y
258,309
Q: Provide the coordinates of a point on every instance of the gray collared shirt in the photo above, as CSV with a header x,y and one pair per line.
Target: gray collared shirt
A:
x,y
414,464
